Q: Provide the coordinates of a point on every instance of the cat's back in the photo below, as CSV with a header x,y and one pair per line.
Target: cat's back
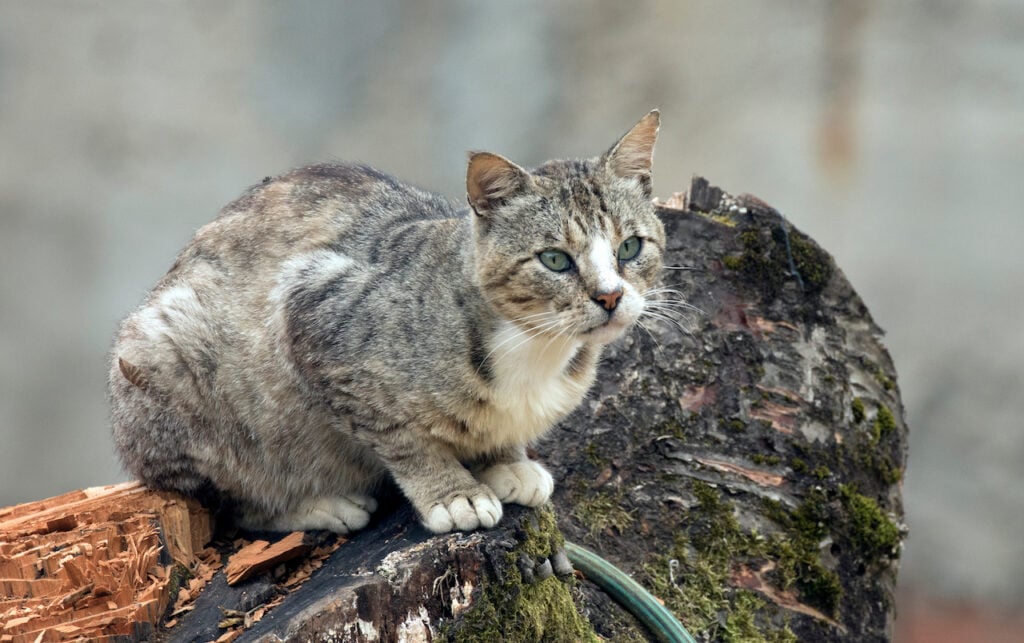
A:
x,y
220,306
347,208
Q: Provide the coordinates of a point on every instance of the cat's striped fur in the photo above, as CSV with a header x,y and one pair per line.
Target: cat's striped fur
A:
x,y
334,327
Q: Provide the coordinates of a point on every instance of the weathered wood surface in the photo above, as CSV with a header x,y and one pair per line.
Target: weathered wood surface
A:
x,y
743,463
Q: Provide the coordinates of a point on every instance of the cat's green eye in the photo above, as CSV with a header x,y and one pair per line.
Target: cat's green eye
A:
x,y
629,249
555,260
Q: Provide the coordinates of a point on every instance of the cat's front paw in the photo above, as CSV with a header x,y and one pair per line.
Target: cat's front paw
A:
x,y
340,514
525,482
464,511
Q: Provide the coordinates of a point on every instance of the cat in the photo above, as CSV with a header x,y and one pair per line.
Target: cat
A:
x,y
334,328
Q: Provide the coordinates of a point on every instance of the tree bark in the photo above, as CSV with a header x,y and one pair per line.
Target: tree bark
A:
x,y
740,458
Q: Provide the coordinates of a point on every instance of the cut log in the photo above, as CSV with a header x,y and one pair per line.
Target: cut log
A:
x,y
740,456
745,466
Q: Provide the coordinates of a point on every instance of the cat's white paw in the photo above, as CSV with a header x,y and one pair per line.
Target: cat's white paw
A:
x,y
340,514
464,512
525,482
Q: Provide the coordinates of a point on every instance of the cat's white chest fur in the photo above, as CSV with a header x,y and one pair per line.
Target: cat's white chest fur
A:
x,y
531,389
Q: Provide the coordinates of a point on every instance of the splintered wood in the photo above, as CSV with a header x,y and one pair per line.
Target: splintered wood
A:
x,y
94,564
260,556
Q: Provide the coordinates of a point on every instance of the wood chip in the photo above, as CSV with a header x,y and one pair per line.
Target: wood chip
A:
x,y
229,636
260,556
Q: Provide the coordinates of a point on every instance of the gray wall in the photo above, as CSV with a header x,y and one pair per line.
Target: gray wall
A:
x,y
892,132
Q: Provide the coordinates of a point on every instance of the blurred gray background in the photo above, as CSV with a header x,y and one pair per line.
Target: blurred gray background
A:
x,y
891,132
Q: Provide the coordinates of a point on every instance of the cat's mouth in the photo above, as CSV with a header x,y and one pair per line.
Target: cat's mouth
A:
x,y
608,330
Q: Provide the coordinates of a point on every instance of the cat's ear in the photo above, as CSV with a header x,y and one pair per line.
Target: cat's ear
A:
x,y
633,155
491,180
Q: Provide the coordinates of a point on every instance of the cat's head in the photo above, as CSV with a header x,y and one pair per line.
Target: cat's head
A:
x,y
570,247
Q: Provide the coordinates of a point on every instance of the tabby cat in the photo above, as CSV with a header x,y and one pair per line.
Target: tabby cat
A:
x,y
334,328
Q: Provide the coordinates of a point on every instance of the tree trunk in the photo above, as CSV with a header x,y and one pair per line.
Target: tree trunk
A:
x,y
745,466
741,459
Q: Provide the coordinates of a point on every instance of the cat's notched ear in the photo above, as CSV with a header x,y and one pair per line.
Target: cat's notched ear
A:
x,y
492,179
633,155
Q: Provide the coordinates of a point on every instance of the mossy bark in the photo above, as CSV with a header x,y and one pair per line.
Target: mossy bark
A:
x,y
745,465
397,582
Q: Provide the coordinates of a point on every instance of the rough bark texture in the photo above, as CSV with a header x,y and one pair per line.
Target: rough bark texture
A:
x,y
742,462
397,582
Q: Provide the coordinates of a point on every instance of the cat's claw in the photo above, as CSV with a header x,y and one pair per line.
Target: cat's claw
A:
x,y
525,482
464,512
340,514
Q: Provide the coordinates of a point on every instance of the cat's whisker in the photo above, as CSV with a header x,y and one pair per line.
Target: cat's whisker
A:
x,y
663,290
531,331
521,331
546,313
674,306
681,302
657,344
535,332
669,288
669,320
695,268
561,331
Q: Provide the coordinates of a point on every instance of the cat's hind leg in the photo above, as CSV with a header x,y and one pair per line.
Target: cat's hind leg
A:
x,y
341,514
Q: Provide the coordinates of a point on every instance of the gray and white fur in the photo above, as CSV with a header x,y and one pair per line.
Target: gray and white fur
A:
x,y
334,327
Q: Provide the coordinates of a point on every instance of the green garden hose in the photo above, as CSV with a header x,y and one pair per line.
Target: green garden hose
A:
x,y
628,593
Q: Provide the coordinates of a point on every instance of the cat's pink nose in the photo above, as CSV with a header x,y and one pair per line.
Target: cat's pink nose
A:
x,y
609,299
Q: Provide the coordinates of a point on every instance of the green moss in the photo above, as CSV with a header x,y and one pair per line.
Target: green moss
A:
x,y
599,511
870,531
674,428
693,576
179,576
741,625
764,262
693,590
857,408
883,379
809,520
593,457
736,425
811,261
543,537
511,610
719,217
757,265
821,472
797,556
718,532
798,466
885,423
770,460
866,451
784,635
